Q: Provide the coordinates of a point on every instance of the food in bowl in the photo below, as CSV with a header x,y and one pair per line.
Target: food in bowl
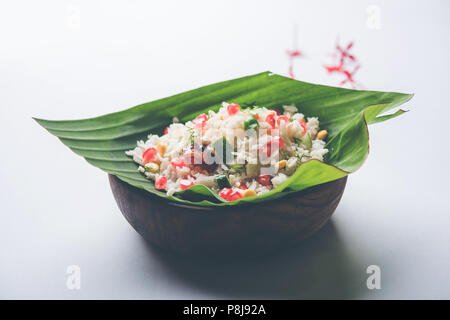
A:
x,y
236,152
197,219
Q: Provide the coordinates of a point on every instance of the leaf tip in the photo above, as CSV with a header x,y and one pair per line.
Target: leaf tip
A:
x,y
409,96
38,120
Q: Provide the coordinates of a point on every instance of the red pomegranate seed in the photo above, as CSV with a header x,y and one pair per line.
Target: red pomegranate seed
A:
x,y
243,186
303,124
277,141
177,162
161,182
235,196
200,121
283,118
184,184
149,155
274,144
264,179
233,108
270,119
265,151
225,193
166,130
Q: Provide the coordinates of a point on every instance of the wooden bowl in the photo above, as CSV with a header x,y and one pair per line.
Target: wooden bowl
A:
x,y
242,230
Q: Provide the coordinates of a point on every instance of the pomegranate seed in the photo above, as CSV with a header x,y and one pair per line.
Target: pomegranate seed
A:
x,y
277,141
177,162
283,118
200,121
235,196
303,124
166,130
184,184
274,144
149,155
270,119
266,151
243,186
225,193
264,179
233,108
161,182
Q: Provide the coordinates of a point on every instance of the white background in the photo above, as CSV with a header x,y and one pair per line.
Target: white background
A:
x,y
77,59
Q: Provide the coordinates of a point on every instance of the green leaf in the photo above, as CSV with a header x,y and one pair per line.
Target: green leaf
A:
x,y
237,168
251,123
344,113
306,140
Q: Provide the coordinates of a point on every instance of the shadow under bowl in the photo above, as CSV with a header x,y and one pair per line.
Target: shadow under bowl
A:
x,y
242,230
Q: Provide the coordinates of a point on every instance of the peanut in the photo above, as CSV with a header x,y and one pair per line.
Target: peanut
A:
x,y
152,167
249,193
282,164
322,134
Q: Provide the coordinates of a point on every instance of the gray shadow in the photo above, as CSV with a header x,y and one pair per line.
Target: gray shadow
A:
x,y
318,268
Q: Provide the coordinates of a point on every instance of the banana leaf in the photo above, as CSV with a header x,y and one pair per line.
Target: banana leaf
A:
x,y
344,113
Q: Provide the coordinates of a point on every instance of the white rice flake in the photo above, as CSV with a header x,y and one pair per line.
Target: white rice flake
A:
x,y
278,179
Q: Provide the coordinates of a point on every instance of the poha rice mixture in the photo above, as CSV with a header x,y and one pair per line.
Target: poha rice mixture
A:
x,y
237,152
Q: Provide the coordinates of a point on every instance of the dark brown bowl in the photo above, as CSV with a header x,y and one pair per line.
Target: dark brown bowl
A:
x,y
247,229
